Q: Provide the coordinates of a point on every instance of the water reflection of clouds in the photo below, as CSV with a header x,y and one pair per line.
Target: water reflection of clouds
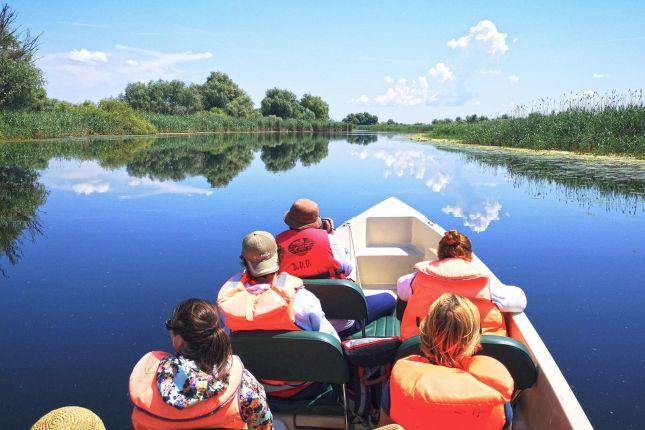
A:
x,y
478,219
158,187
88,177
91,187
413,161
441,173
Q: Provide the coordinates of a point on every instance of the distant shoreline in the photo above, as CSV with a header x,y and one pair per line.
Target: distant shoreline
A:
x,y
165,134
528,151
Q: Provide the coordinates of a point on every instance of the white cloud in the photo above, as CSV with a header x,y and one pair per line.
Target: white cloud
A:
x,y
441,73
389,80
92,58
515,40
599,75
483,36
438,182
158,63
91,187
455,211
84,69
477,220
403,94
361,100
514,79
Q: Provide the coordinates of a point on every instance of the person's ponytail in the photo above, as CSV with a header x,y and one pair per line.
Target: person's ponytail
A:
x,y
214,351
198,323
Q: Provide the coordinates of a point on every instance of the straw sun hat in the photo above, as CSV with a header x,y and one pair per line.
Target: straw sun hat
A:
x,y
69,418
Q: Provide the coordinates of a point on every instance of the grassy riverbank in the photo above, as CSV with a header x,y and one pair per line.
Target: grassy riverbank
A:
x,y
616,130
396,128
116,118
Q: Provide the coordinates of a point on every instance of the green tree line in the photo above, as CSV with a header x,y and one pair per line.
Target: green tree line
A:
x,y
218,104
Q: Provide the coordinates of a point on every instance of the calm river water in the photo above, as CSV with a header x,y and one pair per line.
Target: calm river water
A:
x,y
100,239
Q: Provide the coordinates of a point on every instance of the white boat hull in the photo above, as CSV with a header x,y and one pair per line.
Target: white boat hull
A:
x,y
384,243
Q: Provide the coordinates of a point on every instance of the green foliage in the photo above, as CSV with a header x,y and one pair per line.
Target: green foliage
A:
x,y
280,103
169,97
607,130
396,128
211,122
20,197
219,90
364,118
316,105
240,107
110,117
21,82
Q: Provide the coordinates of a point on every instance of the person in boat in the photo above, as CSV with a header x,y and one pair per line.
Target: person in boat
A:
x,y
448,386
202,384
264,298
454,271
311,251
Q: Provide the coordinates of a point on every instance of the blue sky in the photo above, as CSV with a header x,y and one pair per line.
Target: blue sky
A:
x,y
409,61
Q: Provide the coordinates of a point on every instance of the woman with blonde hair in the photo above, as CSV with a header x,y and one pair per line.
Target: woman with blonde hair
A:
x,y
449,386
454,272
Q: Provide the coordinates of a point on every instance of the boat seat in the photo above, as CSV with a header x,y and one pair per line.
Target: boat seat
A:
x,y
296,356
510,352
343,299
383,327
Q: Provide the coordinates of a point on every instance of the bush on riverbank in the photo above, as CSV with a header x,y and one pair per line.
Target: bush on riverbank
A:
x,y
64,119
607,130
112,117
210,122
396,128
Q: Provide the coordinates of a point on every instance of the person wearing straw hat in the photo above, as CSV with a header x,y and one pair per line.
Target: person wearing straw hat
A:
x,y
69,418
310,251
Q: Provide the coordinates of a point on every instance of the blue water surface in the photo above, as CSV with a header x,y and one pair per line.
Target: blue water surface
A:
x,y
124,229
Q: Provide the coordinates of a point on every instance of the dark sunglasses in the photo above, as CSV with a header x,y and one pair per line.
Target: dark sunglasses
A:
x,y
168,325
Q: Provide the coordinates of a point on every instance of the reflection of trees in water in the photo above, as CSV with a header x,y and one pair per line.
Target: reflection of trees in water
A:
x,y
20,197
362,139
285,153
218,158
218,166
619,184
109,153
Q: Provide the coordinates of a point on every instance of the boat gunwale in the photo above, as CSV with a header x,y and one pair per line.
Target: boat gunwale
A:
x,y
547,368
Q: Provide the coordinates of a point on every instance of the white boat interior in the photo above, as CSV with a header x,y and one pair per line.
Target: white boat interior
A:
x,y
384,243
387,240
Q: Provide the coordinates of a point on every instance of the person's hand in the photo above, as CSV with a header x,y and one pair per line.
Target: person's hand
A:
x,y
327,224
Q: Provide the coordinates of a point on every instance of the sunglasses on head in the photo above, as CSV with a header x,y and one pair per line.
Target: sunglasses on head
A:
x,y
168,325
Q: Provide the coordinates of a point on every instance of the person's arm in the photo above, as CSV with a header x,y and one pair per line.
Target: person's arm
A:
x,y
404,286
340,255
254,408
508,298
309,314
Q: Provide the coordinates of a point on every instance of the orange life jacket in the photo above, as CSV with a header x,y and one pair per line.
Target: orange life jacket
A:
x,y
152,413
269,310
451,275
307,254
424,395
